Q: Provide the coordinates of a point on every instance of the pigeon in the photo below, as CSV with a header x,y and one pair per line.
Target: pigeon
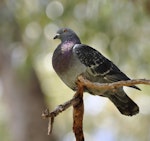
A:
x,y
71,59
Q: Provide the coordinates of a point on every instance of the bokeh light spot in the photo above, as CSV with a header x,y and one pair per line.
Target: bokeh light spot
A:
x,y
33,30
54,9
50,30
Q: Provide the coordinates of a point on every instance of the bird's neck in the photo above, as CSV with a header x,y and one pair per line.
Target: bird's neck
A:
x,y
66,46
74,39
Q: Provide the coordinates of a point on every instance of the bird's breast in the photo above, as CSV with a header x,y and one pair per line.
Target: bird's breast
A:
x,y
67,66
62,57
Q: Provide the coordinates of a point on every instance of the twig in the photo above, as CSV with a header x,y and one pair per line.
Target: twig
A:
x,y
77,102
58,110
50,125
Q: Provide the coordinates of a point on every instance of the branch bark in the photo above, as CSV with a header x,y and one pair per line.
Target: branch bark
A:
x,y
78,105
60,108
111,86
78,111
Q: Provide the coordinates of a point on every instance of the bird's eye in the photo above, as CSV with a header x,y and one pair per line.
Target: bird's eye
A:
x,y
65,30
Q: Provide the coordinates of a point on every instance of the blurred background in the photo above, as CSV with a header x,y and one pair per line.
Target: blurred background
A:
x,y
28,84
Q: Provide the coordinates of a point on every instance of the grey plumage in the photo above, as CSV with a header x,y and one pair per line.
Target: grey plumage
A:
x,y
71,58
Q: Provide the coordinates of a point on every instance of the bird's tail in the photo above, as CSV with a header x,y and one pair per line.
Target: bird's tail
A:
x,y
124,104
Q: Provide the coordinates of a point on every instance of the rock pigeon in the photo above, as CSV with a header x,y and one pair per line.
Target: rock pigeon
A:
x,y
72,58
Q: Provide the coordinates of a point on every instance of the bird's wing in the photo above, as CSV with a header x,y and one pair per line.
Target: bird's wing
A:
x,y
98,64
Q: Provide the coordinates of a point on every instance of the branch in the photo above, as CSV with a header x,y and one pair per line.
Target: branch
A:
x,y
60,108
77,102
111,86
78,111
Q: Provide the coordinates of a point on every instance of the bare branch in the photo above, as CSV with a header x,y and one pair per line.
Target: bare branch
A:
x,y
114,85
78,111
58,110
77,102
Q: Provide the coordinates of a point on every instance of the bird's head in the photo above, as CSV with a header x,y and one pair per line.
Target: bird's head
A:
x,y
67,34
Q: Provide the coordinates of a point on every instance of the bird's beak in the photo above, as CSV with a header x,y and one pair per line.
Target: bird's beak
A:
x,y
57,36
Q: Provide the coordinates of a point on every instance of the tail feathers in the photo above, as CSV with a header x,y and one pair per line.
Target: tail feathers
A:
x,y
124,104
